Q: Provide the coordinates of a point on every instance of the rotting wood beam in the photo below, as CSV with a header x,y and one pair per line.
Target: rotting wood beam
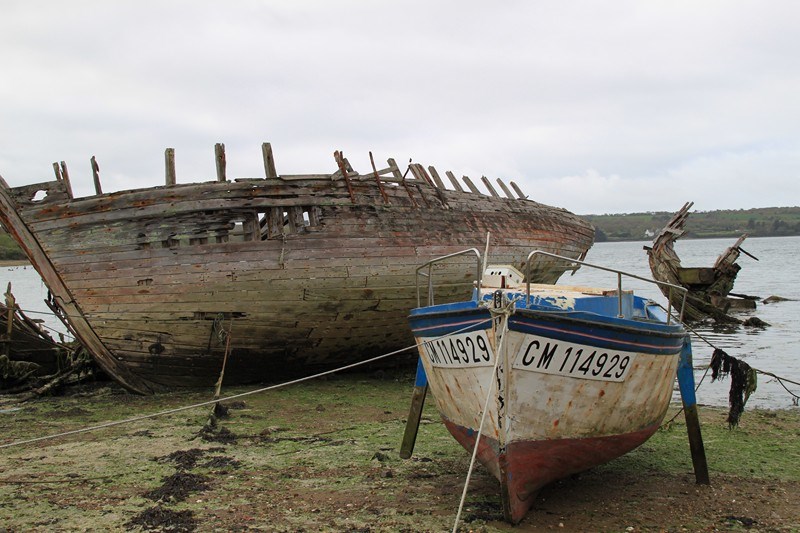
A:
x,y
340,161
488,185
505,189
522,195
378,179
63,175
454,181
169,165
219,158
401,179
269,161
96,176
471,185
436,178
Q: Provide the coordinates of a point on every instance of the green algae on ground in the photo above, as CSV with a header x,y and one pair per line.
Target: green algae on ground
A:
x,y
323,455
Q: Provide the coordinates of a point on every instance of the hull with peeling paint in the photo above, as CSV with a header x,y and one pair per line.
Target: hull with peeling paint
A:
x,y
581,377
300,273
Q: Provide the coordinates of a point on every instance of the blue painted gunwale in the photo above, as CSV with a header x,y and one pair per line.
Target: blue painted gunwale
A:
x,y
643,330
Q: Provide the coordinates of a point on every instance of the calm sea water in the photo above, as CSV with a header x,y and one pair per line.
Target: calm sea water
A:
x,y
770,349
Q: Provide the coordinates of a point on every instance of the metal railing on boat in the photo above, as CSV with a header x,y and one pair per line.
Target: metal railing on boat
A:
x,y
429,274
426,270
619,274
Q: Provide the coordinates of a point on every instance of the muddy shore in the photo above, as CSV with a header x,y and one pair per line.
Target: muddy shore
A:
x,y
323,456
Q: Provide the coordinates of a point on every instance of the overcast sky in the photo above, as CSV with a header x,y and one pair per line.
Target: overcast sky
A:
x,y
598,107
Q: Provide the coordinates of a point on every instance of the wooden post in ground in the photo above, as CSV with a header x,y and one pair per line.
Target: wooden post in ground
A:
x,y
415,413
687,386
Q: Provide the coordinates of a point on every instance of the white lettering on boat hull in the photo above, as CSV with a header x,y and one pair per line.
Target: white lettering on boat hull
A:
x,y
549,356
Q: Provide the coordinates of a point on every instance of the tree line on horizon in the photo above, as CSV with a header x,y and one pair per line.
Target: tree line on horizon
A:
x,y
757,222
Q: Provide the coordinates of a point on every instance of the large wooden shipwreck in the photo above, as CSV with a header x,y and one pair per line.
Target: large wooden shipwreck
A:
x,y
277,276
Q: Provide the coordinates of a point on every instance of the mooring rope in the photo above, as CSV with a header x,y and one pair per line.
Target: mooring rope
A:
x,y
504,313
228,398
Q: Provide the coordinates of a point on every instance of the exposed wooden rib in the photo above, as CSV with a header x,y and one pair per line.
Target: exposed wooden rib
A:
x,y
343,164
378,179
471,185
269,161
505,189
395,169
401,179
96,176
488,184
436,178
65,177
219,157
169,163
419,173
522,195
454,181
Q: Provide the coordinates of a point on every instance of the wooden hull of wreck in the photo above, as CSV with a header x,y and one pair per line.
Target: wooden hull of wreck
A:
x,y
305,273
562,401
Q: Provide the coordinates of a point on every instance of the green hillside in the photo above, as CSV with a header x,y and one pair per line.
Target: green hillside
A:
x,y
762,222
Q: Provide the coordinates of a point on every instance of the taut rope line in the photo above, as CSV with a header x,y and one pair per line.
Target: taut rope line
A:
x,y
210,402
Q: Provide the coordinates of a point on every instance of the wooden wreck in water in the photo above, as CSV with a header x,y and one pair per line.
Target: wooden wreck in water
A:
x,y
709,288
26,349
280,276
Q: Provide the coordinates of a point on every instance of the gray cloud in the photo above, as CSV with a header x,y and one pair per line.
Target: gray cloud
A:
x,y
595,107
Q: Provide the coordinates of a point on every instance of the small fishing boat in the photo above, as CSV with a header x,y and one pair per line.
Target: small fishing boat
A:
x,y
267,278
544,381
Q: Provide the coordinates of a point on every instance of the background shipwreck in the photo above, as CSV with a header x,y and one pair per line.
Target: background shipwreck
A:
x,y
282,275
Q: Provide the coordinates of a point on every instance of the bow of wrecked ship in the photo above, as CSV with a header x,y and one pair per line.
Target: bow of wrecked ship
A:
x,y
276,276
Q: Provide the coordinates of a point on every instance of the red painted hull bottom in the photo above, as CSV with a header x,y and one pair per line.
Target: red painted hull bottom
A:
x,y
527,466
